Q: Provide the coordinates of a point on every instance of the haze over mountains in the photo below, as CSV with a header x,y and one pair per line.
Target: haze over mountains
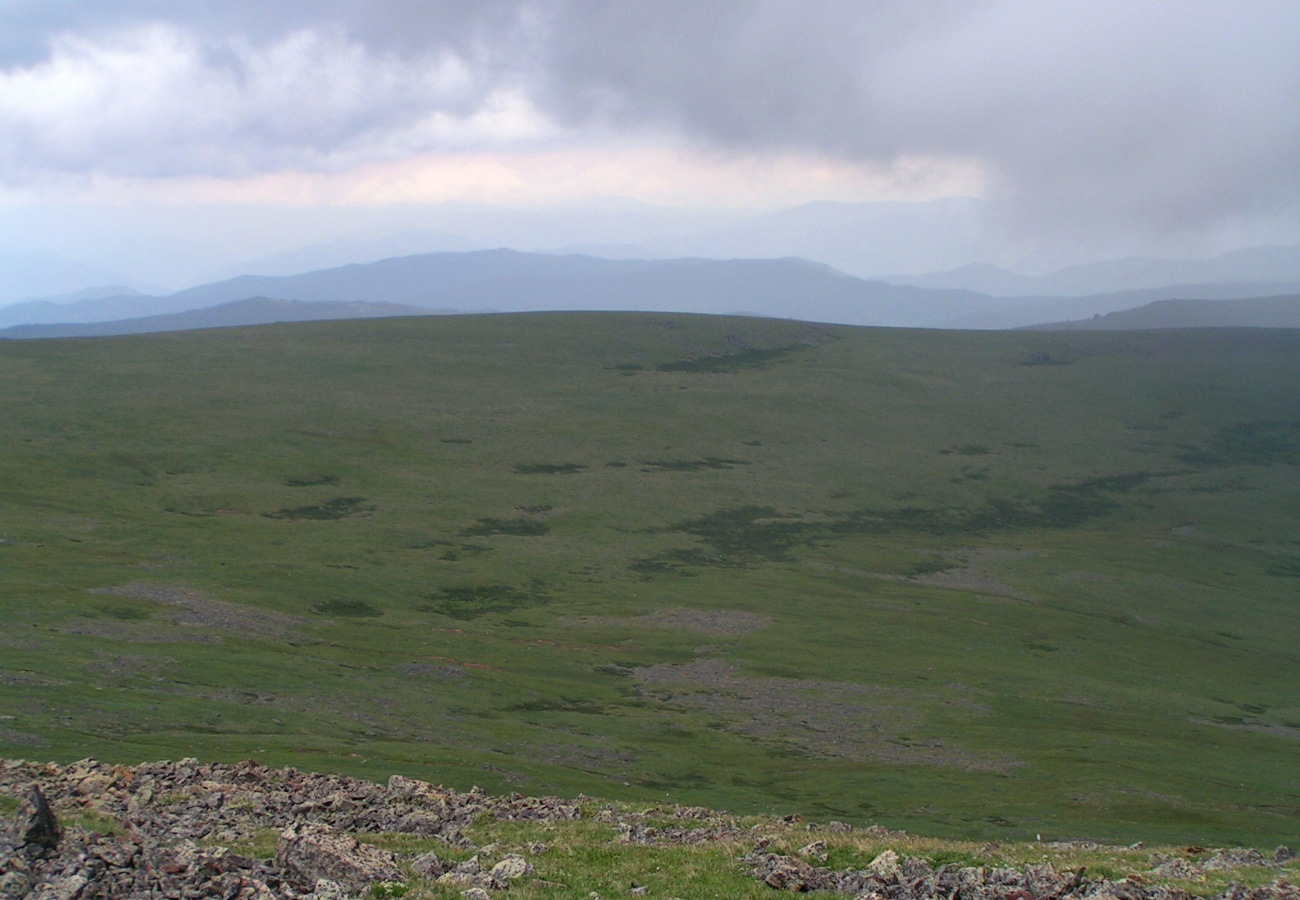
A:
x,y
510,281
33,275
1254,312
1249,266
820,261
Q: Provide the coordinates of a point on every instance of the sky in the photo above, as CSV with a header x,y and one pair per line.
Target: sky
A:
x,y
173,127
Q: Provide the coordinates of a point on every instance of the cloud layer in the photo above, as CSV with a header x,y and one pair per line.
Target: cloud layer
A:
x,y
1159,115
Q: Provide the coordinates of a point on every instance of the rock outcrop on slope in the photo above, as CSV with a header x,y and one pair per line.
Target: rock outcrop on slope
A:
x,y
158,830
164,830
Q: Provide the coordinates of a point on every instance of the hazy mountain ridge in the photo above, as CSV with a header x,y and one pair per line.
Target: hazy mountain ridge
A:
x,y
253,311
1256,312
512,281
1251,265
37,276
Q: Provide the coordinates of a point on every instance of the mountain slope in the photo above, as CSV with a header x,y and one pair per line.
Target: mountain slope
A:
x,y
1258,312
254,311
1250,266
975,584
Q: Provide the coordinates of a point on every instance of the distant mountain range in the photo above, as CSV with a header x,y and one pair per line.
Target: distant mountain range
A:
x,y
253,311
27,276
511,281
1241,268
1255,312
332,254
862,239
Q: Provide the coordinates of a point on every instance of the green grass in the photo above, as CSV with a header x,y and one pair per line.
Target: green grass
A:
x,y
993,585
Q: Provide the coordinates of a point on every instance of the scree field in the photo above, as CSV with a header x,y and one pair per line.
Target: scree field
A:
x,y
988,585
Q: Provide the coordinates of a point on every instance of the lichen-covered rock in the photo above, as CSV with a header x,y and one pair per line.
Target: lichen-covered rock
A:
x,y
35,823
510,867
816,850
314,851
1178,868
886,866
163,826
428,865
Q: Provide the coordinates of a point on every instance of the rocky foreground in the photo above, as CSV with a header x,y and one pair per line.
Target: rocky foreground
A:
x,y
164,830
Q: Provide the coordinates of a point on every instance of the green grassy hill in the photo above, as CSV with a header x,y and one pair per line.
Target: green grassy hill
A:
x,y
981,585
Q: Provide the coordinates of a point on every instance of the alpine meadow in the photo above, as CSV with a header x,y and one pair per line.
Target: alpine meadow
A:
x,y
984,585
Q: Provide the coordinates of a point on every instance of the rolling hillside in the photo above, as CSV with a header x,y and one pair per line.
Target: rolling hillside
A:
x,y
253,311
983,585
1256,312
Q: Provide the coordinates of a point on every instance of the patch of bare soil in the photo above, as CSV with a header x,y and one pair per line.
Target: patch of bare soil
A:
x,y
195,609
20,738
1286,731
973,571
118,669
716,622
422,668
17,676
588,757
137,632
823,719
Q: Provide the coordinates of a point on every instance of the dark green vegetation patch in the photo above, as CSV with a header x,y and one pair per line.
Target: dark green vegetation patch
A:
x,y
519,526
352,609
943,581
548,468
747,358
337,508
479,600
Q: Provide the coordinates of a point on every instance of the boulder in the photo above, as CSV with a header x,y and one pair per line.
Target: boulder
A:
x,y
816,850
886,866
510,867
35,823
310,852
428,865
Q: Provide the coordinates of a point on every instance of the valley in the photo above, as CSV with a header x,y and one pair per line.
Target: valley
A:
x,y
987,585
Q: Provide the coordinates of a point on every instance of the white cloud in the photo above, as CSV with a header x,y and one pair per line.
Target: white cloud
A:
x,y
1105,115
156,101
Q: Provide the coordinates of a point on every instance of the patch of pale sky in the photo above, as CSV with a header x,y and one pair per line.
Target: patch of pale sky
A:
x,y
660,175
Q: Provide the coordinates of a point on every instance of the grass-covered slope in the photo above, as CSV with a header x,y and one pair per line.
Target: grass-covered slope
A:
x,y
982,585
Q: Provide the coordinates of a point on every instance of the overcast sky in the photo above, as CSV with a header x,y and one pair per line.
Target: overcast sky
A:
x,y
1156,118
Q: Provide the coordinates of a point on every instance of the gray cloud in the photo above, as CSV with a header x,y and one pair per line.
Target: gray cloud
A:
x,y
1156,115
1171,113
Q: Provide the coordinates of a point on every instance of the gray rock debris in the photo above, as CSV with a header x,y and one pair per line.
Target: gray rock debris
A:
x,y
161,811
913,879
314,852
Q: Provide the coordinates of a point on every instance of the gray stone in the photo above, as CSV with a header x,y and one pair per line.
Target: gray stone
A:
x,y
511,867
816,850
313,851
428,865
35,823
328,890
886,866
69,888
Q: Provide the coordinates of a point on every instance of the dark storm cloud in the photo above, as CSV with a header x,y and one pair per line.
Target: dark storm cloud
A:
x,y
1169,112
1162,113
